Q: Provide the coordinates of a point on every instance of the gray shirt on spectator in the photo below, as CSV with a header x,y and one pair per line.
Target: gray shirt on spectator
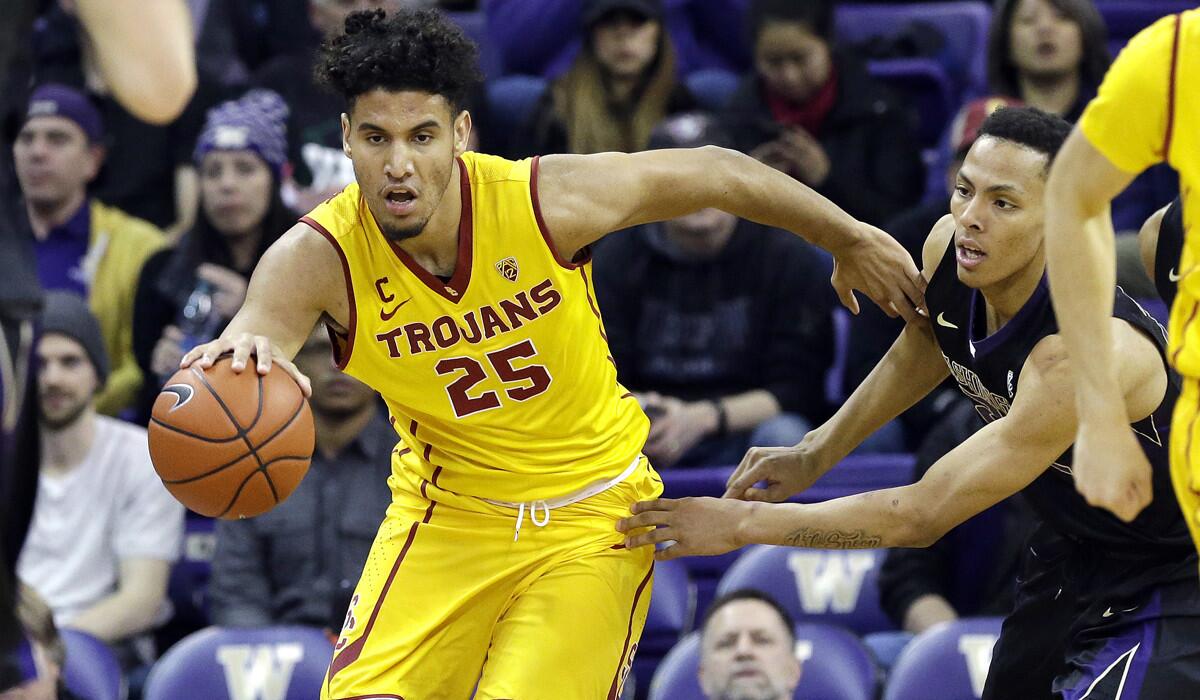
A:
x,y
299,563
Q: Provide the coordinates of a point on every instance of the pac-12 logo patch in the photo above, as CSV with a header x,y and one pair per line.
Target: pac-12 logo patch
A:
x,y
508,268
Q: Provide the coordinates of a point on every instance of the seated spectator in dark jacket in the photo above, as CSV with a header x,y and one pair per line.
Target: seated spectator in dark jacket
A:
x,y
621,84
298,564
239,155
815,114
721,326
972,570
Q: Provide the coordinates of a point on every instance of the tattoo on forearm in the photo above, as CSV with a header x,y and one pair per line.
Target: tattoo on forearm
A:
x,y
832,539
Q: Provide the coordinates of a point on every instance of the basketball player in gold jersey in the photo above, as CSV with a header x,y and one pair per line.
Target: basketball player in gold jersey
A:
x,y
1146,112
458,285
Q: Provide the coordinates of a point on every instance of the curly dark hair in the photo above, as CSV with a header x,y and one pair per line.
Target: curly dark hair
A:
x,y
408,50
1028,127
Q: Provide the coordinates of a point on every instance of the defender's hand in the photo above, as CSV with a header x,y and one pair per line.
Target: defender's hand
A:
x,y
689,526
785,471
245,345
1111,470
881,268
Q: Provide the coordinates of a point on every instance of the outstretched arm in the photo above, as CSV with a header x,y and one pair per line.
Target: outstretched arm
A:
x,y
1081,261
996,462
297,280
910,369
585,197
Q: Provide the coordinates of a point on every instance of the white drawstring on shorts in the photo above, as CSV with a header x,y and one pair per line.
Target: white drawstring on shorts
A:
x,y
547,505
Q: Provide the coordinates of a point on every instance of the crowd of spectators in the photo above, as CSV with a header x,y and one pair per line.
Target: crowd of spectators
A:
x,y
727,332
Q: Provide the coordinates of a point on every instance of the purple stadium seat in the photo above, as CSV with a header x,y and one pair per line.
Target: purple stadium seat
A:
x,y
1124,18
952,657
712,87
474,25
963,24
834,587
671,614
836,666
282,663
511,101
91,669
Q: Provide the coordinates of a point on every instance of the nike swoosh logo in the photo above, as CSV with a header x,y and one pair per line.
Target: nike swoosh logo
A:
x,y
385,315
183,393
1173,276
1109,612
941,321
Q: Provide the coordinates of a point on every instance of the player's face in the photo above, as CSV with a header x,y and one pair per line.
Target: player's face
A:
x,y
626,44
235,191
66,380
335,394
403,146
54,161
792,60
997,206
1043,40
747,654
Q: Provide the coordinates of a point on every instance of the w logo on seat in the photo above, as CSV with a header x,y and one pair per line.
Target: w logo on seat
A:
x,y
829,582
259,671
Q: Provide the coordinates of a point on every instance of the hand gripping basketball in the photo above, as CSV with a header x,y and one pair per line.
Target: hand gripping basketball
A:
x,y
230,444
265,352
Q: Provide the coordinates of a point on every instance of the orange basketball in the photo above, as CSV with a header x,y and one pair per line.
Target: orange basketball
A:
x,y
231,445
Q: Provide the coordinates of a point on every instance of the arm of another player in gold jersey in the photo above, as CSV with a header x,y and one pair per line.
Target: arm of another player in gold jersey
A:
x,y
585,197
298,279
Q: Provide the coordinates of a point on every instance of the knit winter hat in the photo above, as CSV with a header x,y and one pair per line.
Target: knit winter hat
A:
x,y
69,315
257,121
54,100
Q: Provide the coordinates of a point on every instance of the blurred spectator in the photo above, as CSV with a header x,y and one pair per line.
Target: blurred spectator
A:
x,y
298,564
1052,54
147,172
105,531
240,155
82,245
537,37
722,326
47,648
871,332
814,113
748,649
621,84
972,570
319,167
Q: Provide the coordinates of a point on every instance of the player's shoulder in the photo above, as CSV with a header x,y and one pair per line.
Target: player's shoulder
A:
x,y
485,168
935,245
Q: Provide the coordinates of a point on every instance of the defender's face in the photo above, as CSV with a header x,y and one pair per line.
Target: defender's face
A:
x,y
747,653
998,211
403,146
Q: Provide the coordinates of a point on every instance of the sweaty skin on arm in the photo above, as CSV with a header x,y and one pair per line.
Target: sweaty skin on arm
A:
x,y
585,197
144,50
910,369
298,280
1110,470
996,462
